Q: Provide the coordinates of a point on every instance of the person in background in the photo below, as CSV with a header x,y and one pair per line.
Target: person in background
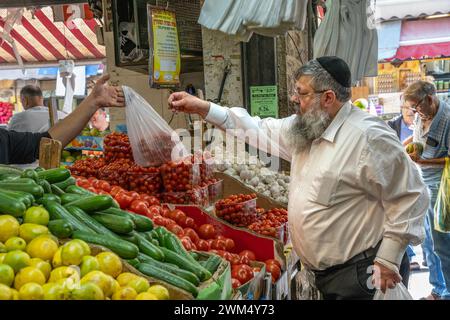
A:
x,y
36,117
356,200
99,121
23,147
432,130
402,125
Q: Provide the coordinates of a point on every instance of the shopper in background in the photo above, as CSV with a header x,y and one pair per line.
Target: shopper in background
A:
x,y
432,129
356,200
23,147
36,117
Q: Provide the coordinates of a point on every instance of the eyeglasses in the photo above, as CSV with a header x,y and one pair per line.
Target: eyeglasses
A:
x,y
304,95
414,108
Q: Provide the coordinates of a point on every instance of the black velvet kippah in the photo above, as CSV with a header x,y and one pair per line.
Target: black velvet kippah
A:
x,y
338,69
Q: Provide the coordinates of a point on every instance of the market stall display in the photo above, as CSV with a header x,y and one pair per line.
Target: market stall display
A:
x,y
6,110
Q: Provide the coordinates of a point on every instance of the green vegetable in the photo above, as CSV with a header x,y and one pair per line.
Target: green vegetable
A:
x,y
78,190
70,197
29,173
116,224
57,211
48,197
11,206
90,222
56,190
70,181
60,228
34,189
93,203
45,185
142,223
186,264
54,175
212,263
149,248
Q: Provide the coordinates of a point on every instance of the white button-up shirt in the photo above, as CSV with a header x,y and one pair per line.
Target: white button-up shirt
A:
x,y
36,119
354,187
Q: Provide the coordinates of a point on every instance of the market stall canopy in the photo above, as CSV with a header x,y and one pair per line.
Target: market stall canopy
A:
x,y
405,9
39,38
414,39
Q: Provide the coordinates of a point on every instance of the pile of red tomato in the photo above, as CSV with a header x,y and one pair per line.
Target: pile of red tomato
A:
x,y
271,223
88,167
146,180
180,176
116,172
117,146
239,210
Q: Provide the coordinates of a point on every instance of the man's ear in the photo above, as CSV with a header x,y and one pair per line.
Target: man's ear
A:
x,y
330,97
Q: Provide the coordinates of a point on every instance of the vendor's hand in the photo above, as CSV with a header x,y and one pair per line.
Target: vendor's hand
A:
x,y
414,157
106,96
184,102
384,278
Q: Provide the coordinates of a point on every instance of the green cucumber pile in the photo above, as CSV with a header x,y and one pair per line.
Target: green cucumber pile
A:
x,y
80,214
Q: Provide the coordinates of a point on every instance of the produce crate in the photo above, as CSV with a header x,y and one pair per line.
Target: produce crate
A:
x,y
253,289
197,196
180,176
218,287
240,214
215,191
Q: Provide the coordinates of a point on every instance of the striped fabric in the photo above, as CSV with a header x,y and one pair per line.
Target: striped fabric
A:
x,y
39,39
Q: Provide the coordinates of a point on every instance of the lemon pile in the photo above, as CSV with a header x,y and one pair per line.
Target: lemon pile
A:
x,y
34,267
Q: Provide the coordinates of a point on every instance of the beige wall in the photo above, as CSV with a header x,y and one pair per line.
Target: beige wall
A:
x,y
139,82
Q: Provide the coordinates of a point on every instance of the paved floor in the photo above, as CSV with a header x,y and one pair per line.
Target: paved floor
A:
x,y
418,282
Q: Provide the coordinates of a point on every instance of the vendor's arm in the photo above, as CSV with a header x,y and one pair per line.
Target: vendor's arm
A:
x,y
407,141
270,130
440,161
102,95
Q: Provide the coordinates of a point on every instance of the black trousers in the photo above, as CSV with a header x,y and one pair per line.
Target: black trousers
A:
x,y
352,282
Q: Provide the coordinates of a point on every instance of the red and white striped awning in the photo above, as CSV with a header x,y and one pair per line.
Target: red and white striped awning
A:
x,y
40,39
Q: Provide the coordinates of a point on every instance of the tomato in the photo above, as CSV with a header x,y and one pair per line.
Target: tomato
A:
x,y
249,254
227,256
256,270
159,220
134,195
123,199
235,283
219,244
273,261
177,215
187,243
139,206
242,272
192,235
210,243
92,189
157,210
220,237
244,260
235,259
92,179
207,231
115,190
170,222
182,221
105,186
189,222
229,244
176,229
202,245
96,184
274,270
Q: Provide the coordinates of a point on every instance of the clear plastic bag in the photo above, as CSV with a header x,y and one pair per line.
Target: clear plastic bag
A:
x,y
152,140
442,206
398,293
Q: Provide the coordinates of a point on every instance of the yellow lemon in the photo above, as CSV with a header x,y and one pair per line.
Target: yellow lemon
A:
x,y
109,263
17,260
53,291
42,247
126,277
115,286
15,294
3,248
159,291
84,245
31,291
125,293
5,292
56,261
99,278
88,264
63,273
29,231
72,253
2,257
146,296
15,243
87,291
9,227
6,275
139,284
36,215
27,275
42,265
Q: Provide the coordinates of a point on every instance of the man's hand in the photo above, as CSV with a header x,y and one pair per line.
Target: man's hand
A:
x,y
384,278
184,102
106,96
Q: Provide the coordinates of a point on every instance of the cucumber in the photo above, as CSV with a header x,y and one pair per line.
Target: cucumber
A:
x,y
92,203
90,222
48,197
78,190
56,190
175,270
57,211
54,175
142,223
122,248
212,263
171,242
60,228
11,206
34,189
194,255
186,264
159,233
149,248
116,224
131,237
39,169
158,273
45,185
25,197
29,173
20,181
5,169
70,197
134,262
70,181
9,176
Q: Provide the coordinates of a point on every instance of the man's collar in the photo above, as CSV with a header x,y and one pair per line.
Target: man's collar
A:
x,y
330,133
437,117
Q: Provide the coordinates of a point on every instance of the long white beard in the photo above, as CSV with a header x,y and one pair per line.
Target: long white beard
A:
x,y
307,127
